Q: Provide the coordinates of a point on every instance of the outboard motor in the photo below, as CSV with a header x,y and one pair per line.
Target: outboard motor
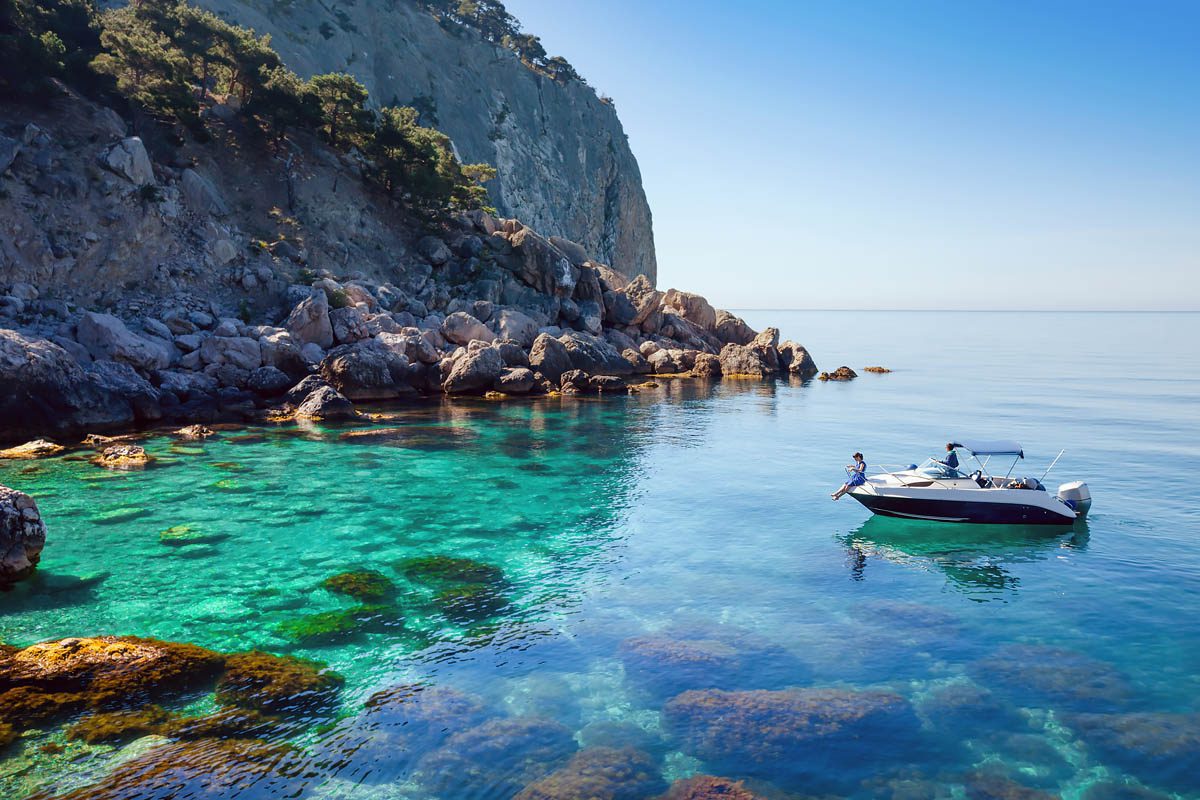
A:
x,y
1076,495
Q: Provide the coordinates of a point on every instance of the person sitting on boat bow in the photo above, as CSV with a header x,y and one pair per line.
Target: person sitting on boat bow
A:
x,y
858,476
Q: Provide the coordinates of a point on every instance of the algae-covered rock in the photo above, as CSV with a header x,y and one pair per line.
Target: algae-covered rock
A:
x,y
228,723
195,432
1040,674
277,684
331,627
38,448
1162,749
810,736
708,787
180,535
983,785
123,457
600,773
497,758
447,569
109,671
364,585
397,727
470,602
204,769
120,726
666,666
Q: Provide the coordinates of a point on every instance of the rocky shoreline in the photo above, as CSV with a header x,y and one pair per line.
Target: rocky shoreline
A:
x,y
499,309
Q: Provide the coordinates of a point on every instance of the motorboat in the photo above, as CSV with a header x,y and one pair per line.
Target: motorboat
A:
x,y
938,492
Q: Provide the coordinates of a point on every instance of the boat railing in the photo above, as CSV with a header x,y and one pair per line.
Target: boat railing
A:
x,y
893,470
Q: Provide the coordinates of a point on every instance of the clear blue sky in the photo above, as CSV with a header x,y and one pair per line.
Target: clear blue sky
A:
x,y
972,154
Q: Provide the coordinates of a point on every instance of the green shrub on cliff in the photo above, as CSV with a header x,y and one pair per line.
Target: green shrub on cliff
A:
x,y
169,61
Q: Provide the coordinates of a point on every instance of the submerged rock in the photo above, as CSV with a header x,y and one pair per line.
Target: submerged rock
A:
x,y
1040,674
325,402
707,787
367,584
195,432
120,726
332,627
470,602
448,569
497,758
600,773
981,785
22,535
807,736
1162,749
204,768
277,684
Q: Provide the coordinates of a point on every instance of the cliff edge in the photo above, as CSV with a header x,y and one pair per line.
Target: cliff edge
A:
x,y
563,161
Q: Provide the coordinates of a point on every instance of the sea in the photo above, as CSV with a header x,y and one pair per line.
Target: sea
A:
x,y
657,587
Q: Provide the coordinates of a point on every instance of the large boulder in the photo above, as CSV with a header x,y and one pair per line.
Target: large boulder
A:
x,y
309,321
692,307
618,310
515,380
106,337
742,361
645,299
239,351
367,371
435,250
123,380
43,389
202,195
542,265
22,535
349,325
593,355
731,329
325,402
550,357
281,351
571,250
461,328
128,159
410,343
474,370
795,359
514,325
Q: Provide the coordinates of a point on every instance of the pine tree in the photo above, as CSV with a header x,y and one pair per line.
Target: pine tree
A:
x,y
342,101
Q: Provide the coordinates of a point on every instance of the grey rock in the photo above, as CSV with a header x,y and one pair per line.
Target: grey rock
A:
x,y
462,328
349,325
177,322
795,359
26,292
201,319
593,355
618,309
268,381
474,371
22,536
156,328
515,380
189,342
366,371
128,159
550,357
106,337
692,307
280,350
185,385
591,317
9,150
744,360
239,351
202,196
571,250
588,287
514,325
637,362
309,321
325,402
731,329
304,388
435,250
513,353
313,353
541,265
228,326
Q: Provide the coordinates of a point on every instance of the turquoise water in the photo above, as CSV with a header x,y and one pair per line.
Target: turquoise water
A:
x,y
635,533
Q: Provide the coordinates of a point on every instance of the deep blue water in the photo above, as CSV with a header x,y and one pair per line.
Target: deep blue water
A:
x,y
684,539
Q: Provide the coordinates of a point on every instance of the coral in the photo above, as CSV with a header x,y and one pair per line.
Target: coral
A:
x,y
362,585
497,758
205,768
471,602
1052,675
599,773
119,726
277,684
805,734
706,787
446,569
1162,749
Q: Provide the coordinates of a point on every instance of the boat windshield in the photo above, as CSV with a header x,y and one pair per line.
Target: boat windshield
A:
x,y
935,469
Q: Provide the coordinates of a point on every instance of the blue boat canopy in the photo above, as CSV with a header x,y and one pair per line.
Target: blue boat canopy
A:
x,y
999,447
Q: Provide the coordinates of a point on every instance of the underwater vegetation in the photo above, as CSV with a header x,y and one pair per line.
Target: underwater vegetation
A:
x,y
600,773
362,585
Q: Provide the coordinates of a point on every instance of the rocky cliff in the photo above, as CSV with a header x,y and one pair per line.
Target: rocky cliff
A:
x,y
564,164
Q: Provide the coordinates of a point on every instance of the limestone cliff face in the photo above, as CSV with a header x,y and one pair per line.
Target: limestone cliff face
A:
x,y
565,167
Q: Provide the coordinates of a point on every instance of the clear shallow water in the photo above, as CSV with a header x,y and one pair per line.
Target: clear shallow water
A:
x,y
684,539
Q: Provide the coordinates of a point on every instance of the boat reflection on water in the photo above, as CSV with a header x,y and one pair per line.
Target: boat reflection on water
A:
x,y
976,559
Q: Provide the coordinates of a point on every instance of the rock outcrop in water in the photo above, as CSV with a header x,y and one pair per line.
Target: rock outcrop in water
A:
x,y
22,535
